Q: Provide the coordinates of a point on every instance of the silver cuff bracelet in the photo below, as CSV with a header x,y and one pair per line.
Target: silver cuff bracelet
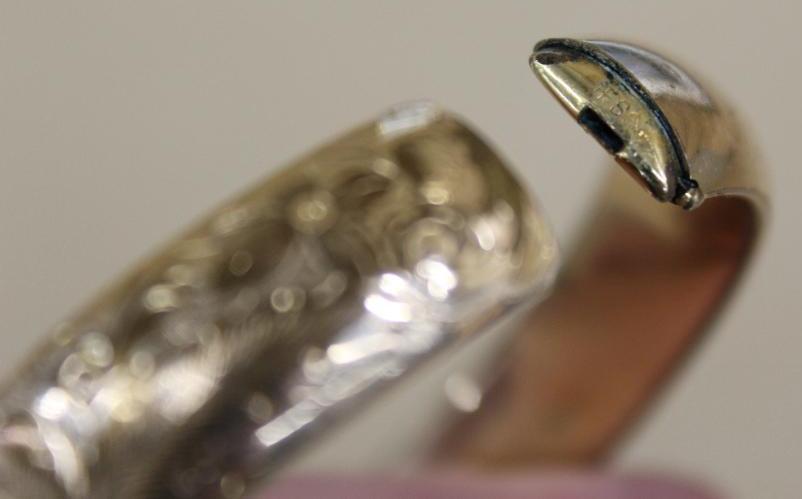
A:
x,y
395,299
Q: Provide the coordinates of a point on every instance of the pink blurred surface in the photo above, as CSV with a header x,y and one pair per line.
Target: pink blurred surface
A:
x,y
518,486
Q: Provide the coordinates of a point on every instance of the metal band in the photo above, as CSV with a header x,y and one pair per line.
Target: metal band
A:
x,y
644,278
385,299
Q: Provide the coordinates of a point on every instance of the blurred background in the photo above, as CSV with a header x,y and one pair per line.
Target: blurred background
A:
x,y
122,122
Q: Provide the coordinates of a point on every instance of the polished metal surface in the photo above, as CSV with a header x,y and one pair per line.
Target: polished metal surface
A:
x,y
218,355
643,279
390,300
680,140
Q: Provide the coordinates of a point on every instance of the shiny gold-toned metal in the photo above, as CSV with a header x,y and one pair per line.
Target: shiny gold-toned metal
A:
x,y
644,278
599,98
390,300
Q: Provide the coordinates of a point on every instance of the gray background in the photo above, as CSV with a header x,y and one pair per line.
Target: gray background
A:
x,y
121,122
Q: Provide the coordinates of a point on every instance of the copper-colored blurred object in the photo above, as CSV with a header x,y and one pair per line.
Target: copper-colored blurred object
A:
x,y
390,300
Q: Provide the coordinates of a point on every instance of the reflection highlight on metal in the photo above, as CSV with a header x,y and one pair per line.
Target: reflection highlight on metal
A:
x,y
387,269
